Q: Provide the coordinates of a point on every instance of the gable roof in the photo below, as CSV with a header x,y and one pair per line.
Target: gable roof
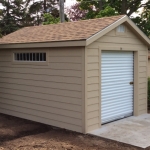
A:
x,y
84,32
78,30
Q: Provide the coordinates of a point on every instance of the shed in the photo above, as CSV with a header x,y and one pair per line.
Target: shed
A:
x,y
76,75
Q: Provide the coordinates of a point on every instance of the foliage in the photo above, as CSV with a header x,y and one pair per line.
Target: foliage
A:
x,y
9,15
101,8
49,19
89,10
108,11
92,8
127,7
75,13
39,8
143,24
16,14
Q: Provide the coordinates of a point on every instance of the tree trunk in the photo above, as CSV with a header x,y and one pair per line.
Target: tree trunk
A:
x,y
124,7
44,5
100,5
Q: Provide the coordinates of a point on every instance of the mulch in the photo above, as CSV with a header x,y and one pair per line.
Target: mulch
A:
x,y
21,134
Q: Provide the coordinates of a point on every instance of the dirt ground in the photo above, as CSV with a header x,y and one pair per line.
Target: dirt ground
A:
x,y
20,134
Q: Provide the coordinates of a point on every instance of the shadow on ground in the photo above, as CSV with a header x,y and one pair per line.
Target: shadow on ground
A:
x,y
13,128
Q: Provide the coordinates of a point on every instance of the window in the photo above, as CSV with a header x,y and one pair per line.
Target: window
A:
x,y
30,57
121,28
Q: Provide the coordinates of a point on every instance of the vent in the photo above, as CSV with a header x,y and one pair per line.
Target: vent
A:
x,y
121,29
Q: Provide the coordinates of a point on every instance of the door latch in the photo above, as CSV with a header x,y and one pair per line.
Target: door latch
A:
x,y
131,83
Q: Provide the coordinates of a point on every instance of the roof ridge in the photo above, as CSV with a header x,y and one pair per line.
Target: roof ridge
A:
x,y
67,31
75,21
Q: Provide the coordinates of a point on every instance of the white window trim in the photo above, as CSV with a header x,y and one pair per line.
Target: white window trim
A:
x,y
30,57
15,62
121,33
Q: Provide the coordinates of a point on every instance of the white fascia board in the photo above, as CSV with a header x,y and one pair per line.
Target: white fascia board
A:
x,y
133,25
40,45
113,26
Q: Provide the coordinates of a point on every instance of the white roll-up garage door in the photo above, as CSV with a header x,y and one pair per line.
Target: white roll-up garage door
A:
x,y
116,85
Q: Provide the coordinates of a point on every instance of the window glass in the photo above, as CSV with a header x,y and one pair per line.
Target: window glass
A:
x,y
121,28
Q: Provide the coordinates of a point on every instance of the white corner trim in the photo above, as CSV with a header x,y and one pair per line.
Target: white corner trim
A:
x,y
106,30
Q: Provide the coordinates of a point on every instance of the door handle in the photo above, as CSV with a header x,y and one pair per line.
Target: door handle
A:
x,y
131,83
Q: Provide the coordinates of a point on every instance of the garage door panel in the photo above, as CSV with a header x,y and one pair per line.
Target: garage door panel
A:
x,y
115,113
119,106
116,55
117,66
116,94
119,71
129,77
113,62
117,116
116,69
116,91
113,91
120,89
118,59
117,79
114,86
126,98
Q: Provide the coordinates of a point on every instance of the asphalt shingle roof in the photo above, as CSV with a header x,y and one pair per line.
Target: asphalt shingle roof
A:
x,y
69,31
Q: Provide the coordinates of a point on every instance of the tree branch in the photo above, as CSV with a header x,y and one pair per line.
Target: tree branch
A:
x,y
133,7
133,2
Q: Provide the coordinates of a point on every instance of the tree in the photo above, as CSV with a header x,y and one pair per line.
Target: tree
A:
x,y
143,21
127,7
108,11
75,13
8,21
101,8
16,14
45,5
93,7
49,19
39,8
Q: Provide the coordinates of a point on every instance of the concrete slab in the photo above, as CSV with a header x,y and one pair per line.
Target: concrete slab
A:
x,y
132,130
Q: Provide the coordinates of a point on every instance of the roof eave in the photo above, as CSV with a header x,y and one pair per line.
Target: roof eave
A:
x,y
113,26
43,44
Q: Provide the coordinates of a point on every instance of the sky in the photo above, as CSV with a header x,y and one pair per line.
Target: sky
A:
x,y
70,2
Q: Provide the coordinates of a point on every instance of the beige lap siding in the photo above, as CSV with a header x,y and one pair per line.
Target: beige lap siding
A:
x,y
143,66
50,93
149,67
112,41
92,98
